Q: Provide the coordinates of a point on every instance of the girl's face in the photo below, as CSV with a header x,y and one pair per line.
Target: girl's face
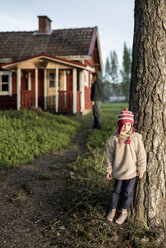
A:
x,y
126,127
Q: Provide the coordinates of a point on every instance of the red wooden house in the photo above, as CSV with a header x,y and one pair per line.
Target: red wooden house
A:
x,y
50,69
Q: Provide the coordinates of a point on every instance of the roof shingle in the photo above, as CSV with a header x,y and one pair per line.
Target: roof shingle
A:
x,y
63,42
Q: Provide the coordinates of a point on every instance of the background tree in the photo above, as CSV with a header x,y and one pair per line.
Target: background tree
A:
x,y
126,71
105,87
111,76
107,70
114,67
148,102
114,75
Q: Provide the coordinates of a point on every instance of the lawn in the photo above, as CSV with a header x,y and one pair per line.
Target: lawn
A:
x,y
26,134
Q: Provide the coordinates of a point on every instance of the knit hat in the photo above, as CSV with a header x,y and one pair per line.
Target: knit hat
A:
x,y
125,116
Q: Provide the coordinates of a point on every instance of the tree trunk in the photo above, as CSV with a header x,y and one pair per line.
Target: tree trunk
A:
x,y
148,102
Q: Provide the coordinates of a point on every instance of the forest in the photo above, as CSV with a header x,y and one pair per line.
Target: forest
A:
x,y
115,77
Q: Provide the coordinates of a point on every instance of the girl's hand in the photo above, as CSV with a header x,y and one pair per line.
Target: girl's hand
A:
x,y
109,176
140,174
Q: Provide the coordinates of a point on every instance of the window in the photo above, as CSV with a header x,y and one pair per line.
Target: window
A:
x,y
5,83
51,79
59,80
25,77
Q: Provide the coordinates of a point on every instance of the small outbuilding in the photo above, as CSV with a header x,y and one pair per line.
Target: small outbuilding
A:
x,y
50,69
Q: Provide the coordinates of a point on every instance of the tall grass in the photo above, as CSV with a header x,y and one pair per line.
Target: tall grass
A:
x,y
25,134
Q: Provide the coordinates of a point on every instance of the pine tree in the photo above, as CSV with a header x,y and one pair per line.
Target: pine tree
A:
x,y
107,70
105,87
111,86
126,71
114,65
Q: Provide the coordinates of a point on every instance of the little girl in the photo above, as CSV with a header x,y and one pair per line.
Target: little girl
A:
x,y
126,159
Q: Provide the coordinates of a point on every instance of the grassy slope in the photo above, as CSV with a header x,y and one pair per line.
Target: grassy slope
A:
x,y
81,222
25,134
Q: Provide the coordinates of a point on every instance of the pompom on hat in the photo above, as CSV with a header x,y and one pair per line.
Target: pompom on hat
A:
x,y
123,117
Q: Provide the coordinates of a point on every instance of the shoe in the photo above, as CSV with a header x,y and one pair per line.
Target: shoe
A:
x,y
121,219
111,214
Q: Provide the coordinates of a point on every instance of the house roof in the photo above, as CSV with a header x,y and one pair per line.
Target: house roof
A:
x,y
64,42
47,57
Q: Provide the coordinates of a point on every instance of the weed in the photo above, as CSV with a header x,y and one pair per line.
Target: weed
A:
x,y
18,199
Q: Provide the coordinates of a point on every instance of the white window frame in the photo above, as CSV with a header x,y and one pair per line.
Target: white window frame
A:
x,y
9,92
86,78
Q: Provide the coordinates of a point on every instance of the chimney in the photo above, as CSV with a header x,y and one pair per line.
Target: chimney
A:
x,y
44,25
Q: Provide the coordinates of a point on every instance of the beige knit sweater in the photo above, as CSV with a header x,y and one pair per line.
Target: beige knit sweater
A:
x,y
125,160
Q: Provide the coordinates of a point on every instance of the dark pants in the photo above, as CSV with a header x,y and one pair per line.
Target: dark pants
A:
x,y
125,189
96,115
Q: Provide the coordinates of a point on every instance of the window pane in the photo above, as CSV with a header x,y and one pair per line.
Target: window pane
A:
x,y
59,81
52,76
5,87
52,84
5,78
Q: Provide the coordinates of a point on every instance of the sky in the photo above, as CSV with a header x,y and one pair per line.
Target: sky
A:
x,y
114,19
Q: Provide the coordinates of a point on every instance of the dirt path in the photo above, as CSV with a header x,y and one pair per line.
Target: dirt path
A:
x,y
29,197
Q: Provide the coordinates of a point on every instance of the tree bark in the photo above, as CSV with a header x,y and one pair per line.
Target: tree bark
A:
x,y
148,102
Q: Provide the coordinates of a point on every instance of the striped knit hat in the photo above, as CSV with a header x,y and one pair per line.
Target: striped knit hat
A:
x,y
125,116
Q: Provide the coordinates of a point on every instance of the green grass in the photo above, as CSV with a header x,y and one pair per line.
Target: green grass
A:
x,y
26,134
83,207
84,204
